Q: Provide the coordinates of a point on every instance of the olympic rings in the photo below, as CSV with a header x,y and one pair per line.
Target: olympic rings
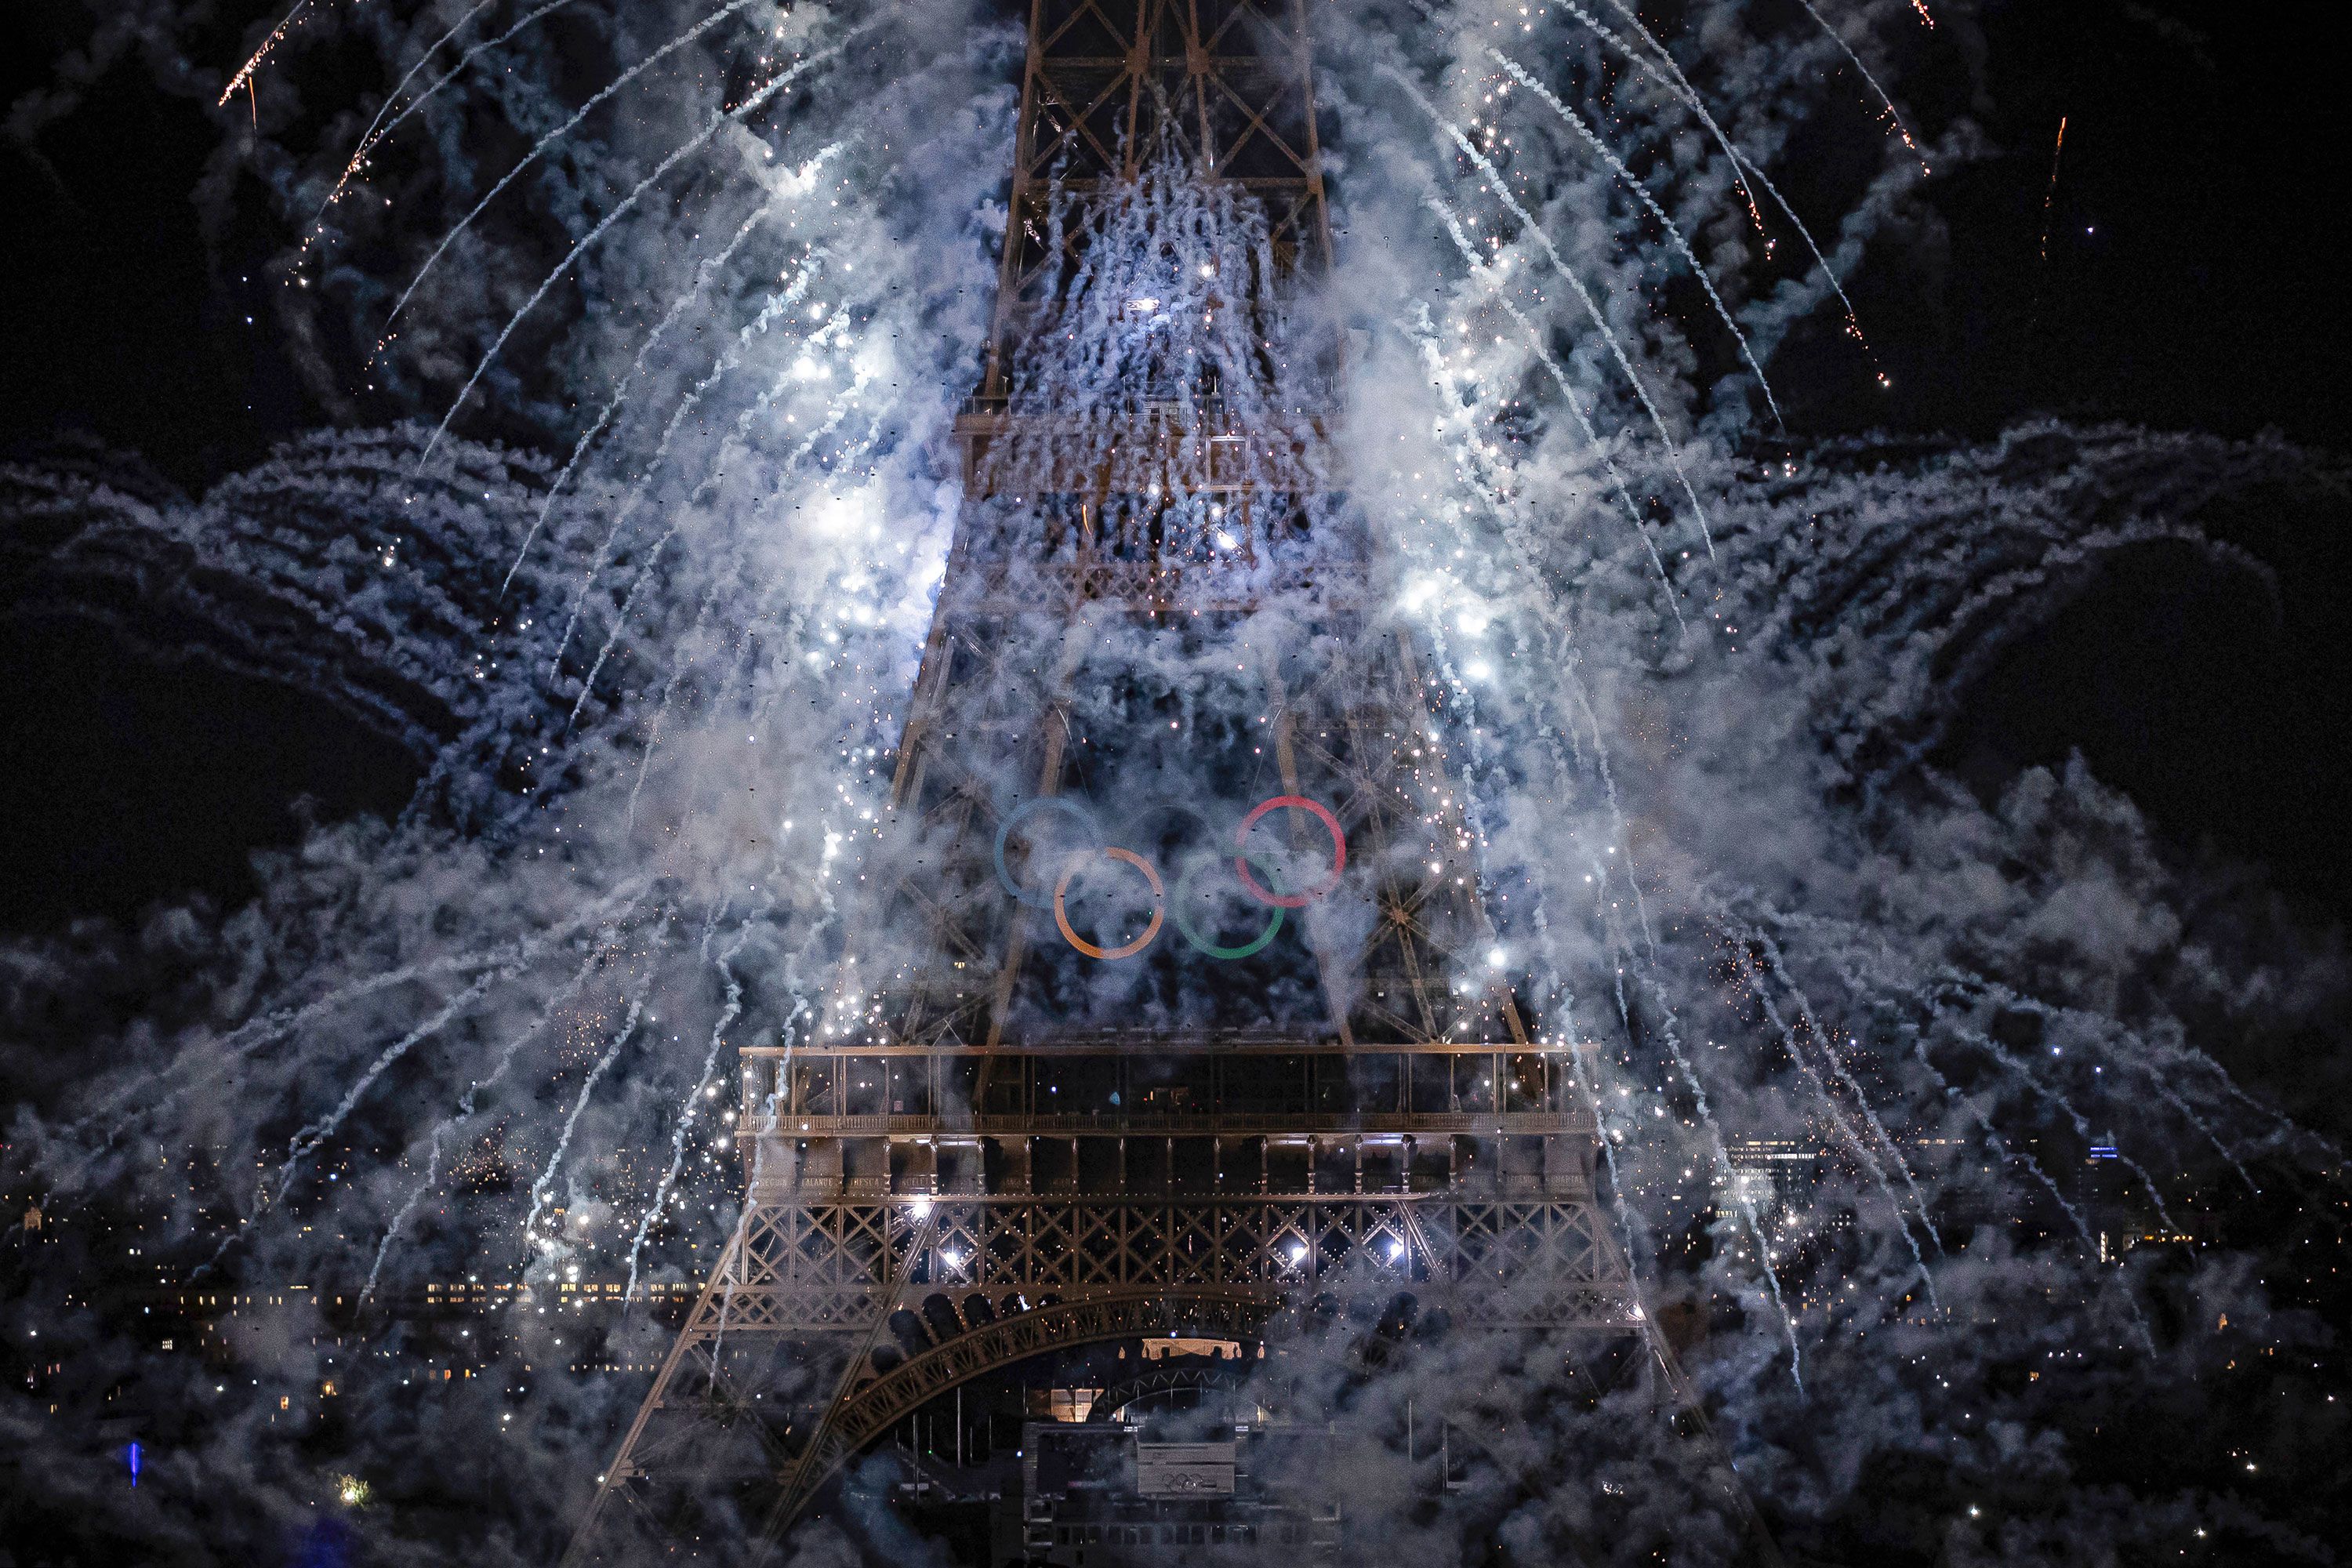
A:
x,y
1159,906
1021,814
1339,851
1184,886
1244,859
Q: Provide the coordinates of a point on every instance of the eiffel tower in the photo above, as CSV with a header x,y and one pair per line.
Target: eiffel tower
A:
x,y
1183,1014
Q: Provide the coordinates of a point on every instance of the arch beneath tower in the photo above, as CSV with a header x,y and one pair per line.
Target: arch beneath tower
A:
x,y
1188,1379
875,1405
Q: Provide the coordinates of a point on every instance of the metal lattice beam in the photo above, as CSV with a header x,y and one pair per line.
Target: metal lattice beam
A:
x,y
851,1296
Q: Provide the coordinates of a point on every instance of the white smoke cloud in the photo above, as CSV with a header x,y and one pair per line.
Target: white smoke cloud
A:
x,y
654,679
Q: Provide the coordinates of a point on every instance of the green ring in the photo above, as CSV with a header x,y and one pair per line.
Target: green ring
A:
x,y
1184,923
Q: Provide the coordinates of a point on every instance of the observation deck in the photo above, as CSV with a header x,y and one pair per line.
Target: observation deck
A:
x,y
1244,1118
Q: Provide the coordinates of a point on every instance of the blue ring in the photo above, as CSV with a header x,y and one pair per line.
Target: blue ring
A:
x,y
1020,814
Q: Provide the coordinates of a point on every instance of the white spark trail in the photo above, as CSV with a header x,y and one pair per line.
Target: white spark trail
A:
x,y
256,1033
1680,86
2129,1050
1434,357
2189,1114
305,1141
1838,1117
832,422
1673,231
373,135
308,1140
2081,1123
539,1188
1586,1074
758,101
1583,700
544,142
1559,263
1669,1032
276,36
1833,1111
709,270
1892,116
1857,986
1828,1044
448,1125
2001,1148
728,1013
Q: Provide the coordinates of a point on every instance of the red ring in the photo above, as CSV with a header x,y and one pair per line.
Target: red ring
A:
x,y
1339,851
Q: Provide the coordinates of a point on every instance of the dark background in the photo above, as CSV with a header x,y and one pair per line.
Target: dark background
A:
x,y
2191,282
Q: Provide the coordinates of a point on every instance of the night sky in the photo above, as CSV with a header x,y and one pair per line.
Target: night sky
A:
x,y
2182,274
2190,286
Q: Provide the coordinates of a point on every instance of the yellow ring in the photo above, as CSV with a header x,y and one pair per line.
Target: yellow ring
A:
x,y
1158,907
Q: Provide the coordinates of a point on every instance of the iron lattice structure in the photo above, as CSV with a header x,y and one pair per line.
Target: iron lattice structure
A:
x,y
1225,85
986,1162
